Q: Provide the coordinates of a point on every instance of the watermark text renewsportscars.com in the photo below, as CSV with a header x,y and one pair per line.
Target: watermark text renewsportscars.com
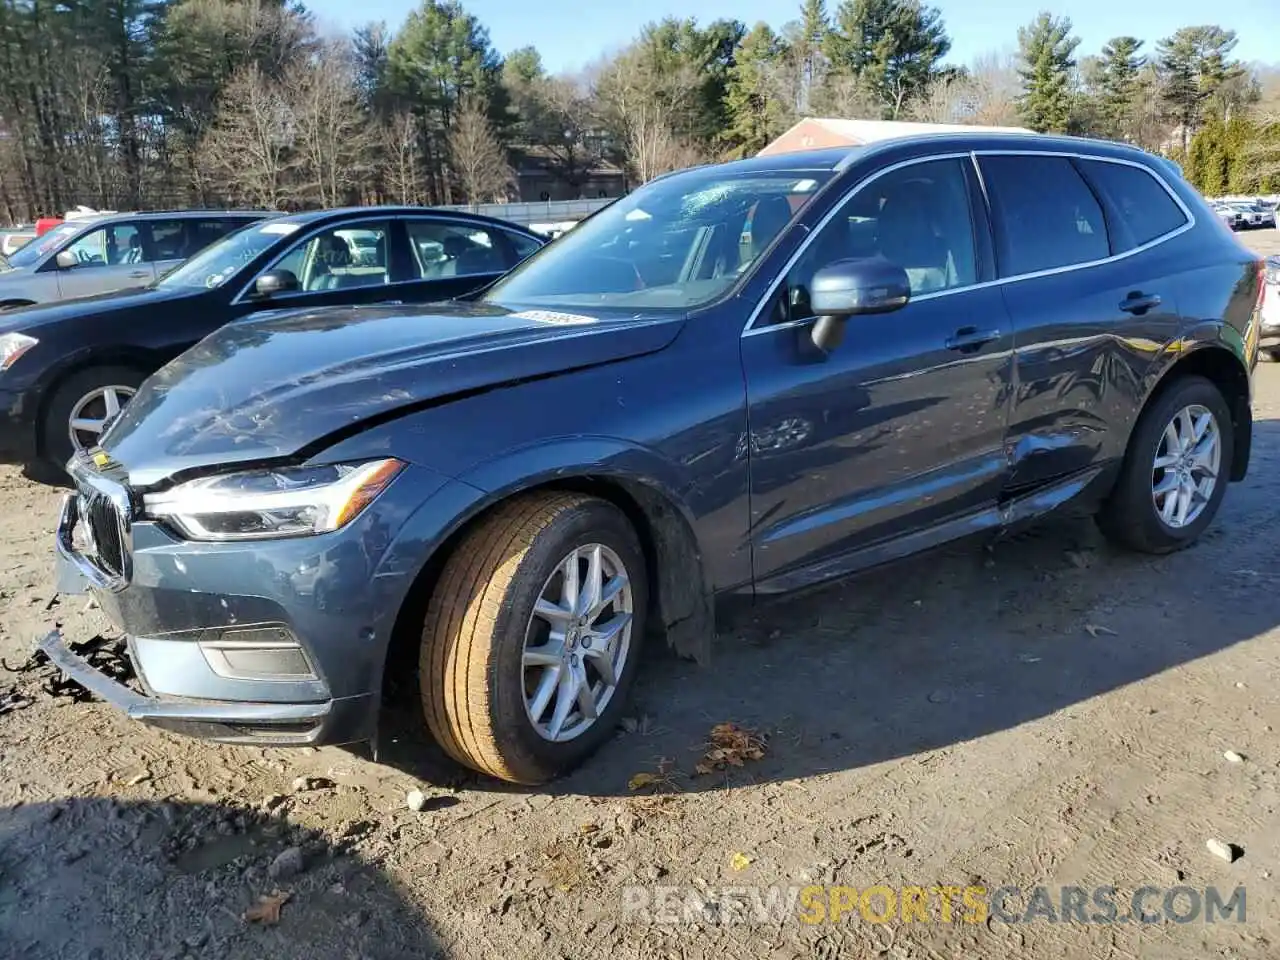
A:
x,y
675,904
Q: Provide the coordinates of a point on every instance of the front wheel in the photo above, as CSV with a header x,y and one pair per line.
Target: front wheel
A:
x,y
1175,470
532,636
81,408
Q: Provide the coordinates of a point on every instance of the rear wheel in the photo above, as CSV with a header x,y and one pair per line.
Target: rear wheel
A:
x,y
1175,471
532,636
81,407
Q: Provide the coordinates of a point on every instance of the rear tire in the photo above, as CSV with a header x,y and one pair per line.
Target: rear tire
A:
x,y
1159,459
492,671
56,446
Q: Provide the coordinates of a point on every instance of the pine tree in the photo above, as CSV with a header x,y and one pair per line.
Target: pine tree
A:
x,y
1119,84
891,48
1194,63
1047,49
756,112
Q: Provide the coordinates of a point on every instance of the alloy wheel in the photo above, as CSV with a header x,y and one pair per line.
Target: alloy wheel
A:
x,y
1186,466
93,411
577,642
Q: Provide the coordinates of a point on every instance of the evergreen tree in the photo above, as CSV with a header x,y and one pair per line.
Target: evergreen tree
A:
x,y
756,113
891,48
1046,48
1119,85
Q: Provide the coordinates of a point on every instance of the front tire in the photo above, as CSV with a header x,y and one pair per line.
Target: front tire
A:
x,y
532,635
79,408
1175,470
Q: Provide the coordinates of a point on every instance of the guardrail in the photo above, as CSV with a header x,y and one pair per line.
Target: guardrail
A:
x,y
538,211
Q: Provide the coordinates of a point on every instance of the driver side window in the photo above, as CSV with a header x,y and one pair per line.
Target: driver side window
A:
x,y
917,217
114,245
339,257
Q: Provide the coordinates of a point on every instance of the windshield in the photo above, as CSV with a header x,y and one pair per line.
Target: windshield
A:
x,y
678,242
215,265
30,254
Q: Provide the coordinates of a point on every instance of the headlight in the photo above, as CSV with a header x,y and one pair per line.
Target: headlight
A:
x,y
12,346
263,504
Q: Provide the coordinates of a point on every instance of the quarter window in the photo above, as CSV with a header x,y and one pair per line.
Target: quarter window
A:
x,y
917,217
1045,214
524,247
1142,207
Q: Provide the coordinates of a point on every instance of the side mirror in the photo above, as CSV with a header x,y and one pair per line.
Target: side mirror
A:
x,y
65,260
851,288
275,282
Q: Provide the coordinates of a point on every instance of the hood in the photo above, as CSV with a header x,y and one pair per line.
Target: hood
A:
x,y
26,318
268,388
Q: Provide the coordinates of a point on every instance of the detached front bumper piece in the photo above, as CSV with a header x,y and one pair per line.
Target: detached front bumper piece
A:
x,y
263,724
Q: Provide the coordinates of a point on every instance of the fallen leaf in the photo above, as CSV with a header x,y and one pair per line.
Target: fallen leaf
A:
x,y
1094,629
663,779
267,910
730,746
740,861
641,780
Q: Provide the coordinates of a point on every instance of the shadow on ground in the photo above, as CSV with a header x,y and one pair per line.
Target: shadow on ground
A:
x,y
937,650
101,879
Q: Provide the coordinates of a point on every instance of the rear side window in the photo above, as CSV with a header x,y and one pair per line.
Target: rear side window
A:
x,y
206,232
450,248
1046,216
1142,207
169,240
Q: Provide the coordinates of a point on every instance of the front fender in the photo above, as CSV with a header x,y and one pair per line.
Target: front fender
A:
x,y
647,482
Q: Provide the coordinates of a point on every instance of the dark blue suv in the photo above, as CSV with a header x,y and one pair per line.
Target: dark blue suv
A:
x,y
739,380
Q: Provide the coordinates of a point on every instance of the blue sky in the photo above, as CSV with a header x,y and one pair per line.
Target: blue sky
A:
x,y
571,33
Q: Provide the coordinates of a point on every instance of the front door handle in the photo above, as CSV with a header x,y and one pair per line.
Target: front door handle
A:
x,y
139,274
970,339
1139,303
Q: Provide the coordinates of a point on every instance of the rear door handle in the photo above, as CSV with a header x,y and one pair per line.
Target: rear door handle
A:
x,y
969,339
1139,303
139,274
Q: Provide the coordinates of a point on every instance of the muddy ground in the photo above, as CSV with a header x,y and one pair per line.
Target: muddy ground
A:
x,y
1047,711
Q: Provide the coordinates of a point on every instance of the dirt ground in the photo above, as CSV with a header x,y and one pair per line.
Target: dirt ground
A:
x,y
1044,711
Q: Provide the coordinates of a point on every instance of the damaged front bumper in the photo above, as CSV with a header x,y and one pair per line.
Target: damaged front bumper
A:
x,y
264,724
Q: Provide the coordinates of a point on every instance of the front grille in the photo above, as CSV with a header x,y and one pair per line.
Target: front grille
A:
x,y
104,523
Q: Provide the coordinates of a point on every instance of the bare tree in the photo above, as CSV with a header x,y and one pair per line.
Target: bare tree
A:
x,y
567,125
400,139
247,151
644,107
478,158
996,89
333,137
948,99
844,95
